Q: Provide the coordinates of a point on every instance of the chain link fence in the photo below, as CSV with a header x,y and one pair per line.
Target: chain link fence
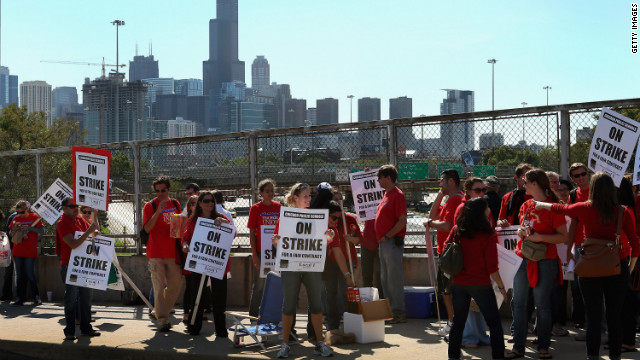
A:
x,y
476,144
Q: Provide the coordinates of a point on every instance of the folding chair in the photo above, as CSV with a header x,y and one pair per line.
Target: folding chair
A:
x,y
268,321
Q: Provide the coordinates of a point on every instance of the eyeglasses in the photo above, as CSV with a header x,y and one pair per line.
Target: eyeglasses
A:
x,y
21,212
335,218
479,190
575,176
72,206
207,201
162,190
86,212
302,186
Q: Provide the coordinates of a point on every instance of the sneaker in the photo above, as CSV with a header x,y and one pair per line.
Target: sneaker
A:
x,y
69,338
557,330
93,333
323,350
445,330
284,351
18,302
38,301
164,328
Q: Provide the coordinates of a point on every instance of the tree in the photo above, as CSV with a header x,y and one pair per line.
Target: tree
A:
x,y
507,155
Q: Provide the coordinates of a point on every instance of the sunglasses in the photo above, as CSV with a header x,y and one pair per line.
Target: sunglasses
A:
x,y
21,212
86,212
72,206
479,190
162,190
335,218
207,201
575,176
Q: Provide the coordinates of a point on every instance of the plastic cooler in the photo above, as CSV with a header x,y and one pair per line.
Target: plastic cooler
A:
x,y
419,301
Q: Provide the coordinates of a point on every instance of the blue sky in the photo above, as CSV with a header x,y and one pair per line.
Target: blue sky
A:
x,y
333,48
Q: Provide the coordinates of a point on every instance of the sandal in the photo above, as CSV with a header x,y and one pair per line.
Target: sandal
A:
x,y
513,355
544,354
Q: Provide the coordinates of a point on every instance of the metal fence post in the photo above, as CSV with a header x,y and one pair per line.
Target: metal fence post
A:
x,y
253,166
38,176
392,144
137,206
565,141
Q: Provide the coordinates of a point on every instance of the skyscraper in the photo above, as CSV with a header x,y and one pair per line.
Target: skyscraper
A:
x,y
64,99
157,86
36,96
368,109
296,112
8,87
457,137
260,73
143,67
401,107
188,87
223,64
326,111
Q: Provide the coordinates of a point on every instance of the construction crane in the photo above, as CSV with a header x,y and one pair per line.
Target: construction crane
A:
x,y
84,63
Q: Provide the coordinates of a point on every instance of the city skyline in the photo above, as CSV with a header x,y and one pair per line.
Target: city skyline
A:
x,y
329,52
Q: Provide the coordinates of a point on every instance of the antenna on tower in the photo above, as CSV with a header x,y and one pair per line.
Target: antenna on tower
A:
x,y
150,48
136,48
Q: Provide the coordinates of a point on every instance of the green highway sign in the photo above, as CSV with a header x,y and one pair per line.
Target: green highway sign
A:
x,y
484,170
413,171
443,167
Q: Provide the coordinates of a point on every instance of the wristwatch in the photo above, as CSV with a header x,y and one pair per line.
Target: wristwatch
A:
x,y
429,222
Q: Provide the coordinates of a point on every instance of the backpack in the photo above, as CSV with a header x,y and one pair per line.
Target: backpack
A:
x,y
144,236
572,196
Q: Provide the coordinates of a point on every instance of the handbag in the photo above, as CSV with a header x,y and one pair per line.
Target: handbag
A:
x,y
533,251
600,257
451,261
634,280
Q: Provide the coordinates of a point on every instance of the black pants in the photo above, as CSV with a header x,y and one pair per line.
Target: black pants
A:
x,y
219,297
559,303
577,312
7,287
613,288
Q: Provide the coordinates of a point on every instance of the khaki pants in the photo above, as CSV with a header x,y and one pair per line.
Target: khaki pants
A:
x,y
165,273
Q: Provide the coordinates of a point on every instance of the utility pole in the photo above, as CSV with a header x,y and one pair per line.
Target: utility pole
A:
x,y
547,88
117,23
523,105
350,108
493,63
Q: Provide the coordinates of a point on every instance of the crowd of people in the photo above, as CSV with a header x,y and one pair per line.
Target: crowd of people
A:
x,y
548,211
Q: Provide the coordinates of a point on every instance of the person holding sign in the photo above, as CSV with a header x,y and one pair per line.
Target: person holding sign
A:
x,y
25,226
599,215
166,275
478,241
263,215
299,197
540,227
206,208
74,296
391,227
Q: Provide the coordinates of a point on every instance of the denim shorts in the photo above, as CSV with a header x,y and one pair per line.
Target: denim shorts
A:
x,y
291,281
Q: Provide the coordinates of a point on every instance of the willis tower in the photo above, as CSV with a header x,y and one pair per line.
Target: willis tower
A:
x,y
223,64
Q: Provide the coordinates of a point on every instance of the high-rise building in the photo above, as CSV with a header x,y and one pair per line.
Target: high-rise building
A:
x,y
312,116
368,109
223,64
157,86
99,99
584,134
180,128
260,73
400,108
64,99
296,113
143,67
170,106
457,137
327,111
8,87
36,96
488,140
198,111
188,87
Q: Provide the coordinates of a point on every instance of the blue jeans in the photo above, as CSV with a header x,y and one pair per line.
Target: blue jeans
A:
x,y
486,300
475,330
25,272
336,286
76,297
547,273
257,290
391,275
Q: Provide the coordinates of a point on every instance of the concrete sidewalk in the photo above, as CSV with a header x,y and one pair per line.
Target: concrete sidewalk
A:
x,y
28,332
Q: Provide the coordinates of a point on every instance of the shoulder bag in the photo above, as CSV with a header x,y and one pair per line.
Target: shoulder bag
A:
x,y
600,257
533,251
451,261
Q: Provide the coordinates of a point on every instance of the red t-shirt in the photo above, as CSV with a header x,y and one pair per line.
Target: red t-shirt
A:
x,y
161,244
29,245
68,225
187,234
369,240
593,228
543,222
459,211
391,207
504,207
354,230
480,258
578,236
448,213
261,214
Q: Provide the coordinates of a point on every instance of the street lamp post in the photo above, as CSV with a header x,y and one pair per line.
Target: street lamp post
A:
x,y
117,23
350,108
547,88
493,64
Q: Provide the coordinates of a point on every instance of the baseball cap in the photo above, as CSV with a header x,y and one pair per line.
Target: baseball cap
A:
x,y
323,186
492,180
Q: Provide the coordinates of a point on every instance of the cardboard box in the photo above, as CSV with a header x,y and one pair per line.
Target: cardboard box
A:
x,y
419,301
367,320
